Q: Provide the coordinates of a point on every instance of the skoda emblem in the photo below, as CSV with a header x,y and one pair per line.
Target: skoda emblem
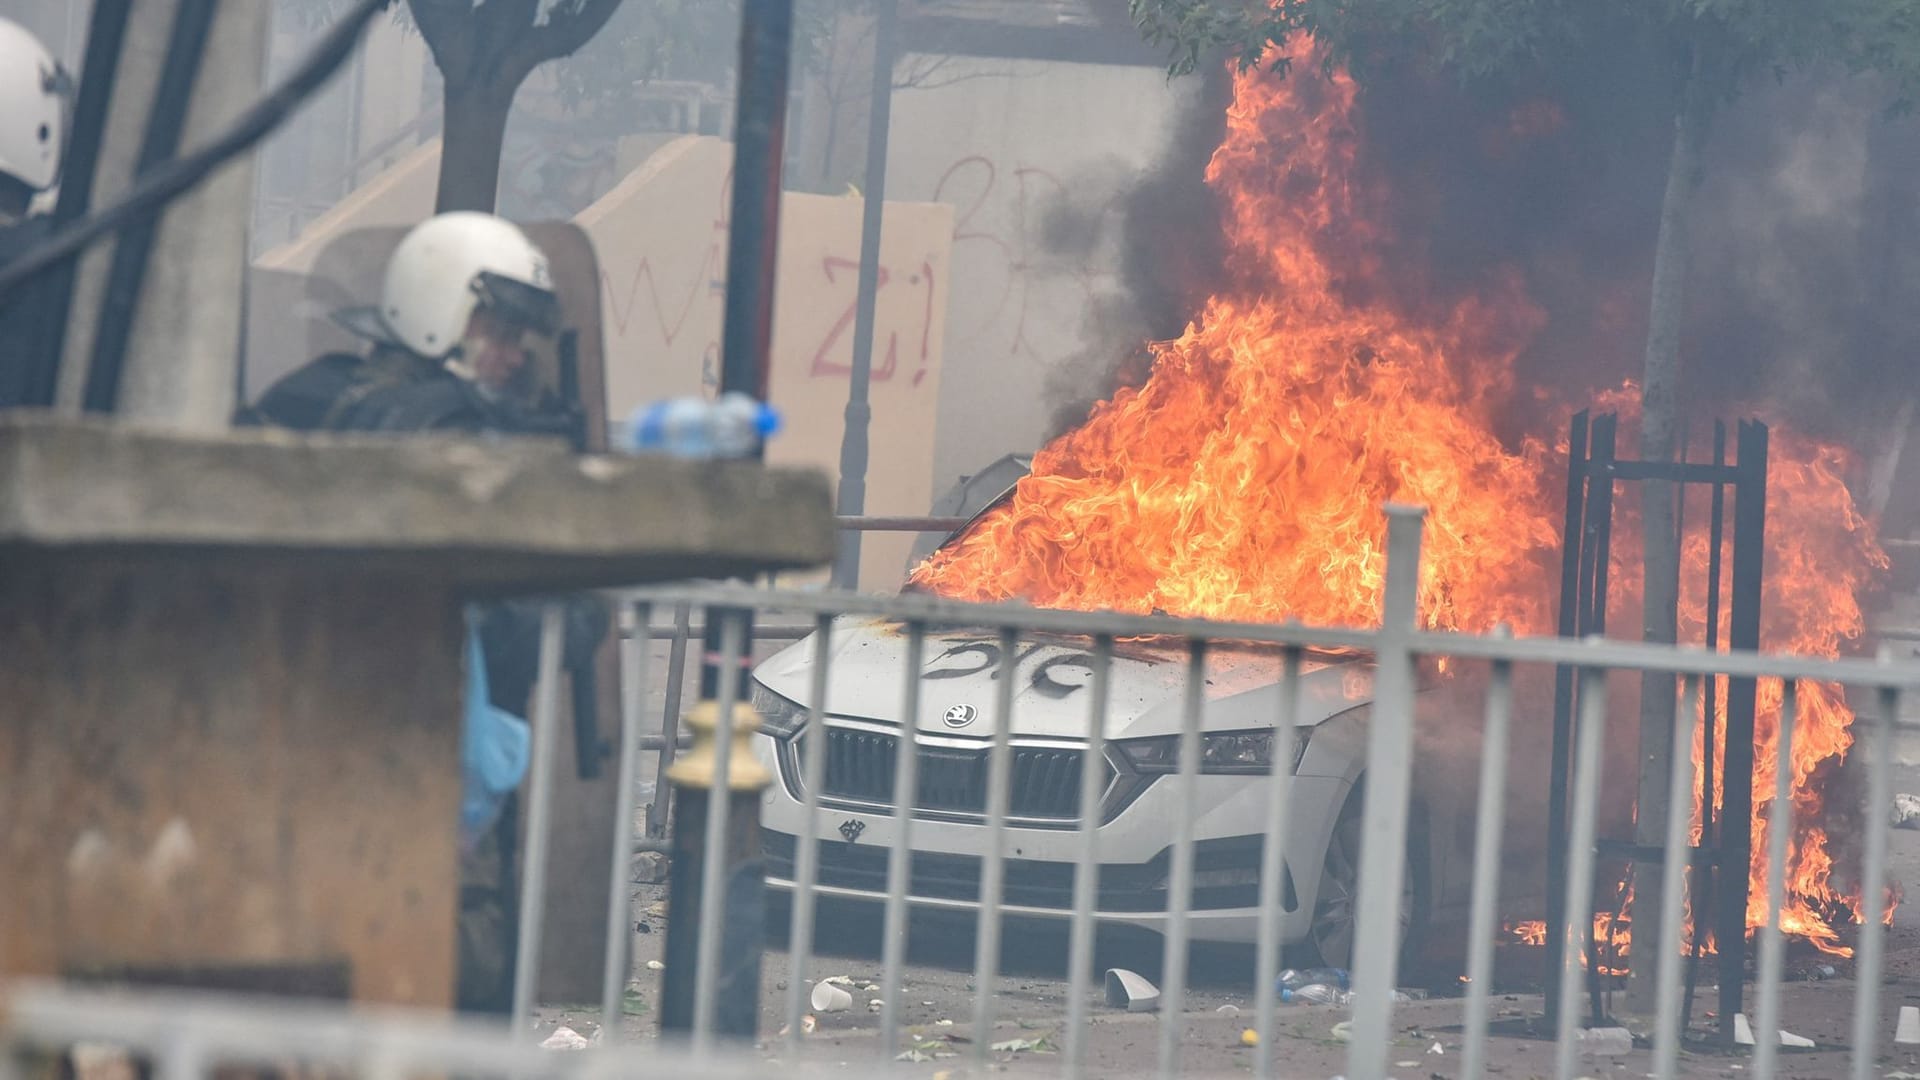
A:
x,y
851,829
960,716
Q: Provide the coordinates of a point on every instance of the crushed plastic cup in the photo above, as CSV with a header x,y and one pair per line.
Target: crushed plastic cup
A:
x,y
827,997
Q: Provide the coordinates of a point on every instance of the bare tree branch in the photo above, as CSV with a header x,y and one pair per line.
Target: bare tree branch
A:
x,y
450,31
562,34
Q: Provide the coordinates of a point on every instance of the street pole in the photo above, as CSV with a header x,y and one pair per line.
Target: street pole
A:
x,y
852,498
711,988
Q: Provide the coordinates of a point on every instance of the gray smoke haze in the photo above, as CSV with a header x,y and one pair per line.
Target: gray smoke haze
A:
x,y
1170,246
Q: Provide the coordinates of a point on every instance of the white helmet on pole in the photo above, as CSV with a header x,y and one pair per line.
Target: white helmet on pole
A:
x,y
33,90
455,263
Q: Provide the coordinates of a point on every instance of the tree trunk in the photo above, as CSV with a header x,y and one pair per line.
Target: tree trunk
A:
x,y
476,129
1658,424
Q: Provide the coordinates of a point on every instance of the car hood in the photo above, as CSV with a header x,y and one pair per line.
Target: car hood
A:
x,y
1052,682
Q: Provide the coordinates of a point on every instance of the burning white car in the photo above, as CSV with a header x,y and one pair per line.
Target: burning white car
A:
x,y
958,684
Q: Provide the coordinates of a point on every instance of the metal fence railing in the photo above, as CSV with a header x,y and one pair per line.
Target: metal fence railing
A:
x,y
1391,654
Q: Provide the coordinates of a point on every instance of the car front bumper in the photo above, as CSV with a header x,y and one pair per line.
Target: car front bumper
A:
x,y
1134,852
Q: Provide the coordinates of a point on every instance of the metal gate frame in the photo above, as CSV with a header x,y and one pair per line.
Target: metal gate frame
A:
x,y
1593,470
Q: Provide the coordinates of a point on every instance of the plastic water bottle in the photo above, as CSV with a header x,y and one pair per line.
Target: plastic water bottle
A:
x,y
1294,979
693,427
1323,994
1316,994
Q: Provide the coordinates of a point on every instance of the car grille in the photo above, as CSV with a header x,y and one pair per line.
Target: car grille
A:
x,y
1046,780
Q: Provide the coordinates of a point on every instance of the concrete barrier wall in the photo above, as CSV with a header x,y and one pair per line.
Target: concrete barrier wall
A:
x,y
661,236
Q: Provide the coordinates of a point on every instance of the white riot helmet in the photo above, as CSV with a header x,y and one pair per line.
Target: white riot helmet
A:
x,y
33,91
452,264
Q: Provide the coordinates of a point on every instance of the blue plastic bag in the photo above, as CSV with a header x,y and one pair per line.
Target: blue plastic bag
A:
x,y
494,748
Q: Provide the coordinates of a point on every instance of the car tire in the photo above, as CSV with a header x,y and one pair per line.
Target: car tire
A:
x,y
1331,932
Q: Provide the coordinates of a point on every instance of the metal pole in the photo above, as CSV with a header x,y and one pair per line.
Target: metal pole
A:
x,y
633,698
716,895
852,498
712,988
1488,820
1773,943
533,880
1570,607
1736,774
1873,882
760,127
670,718
1384,824
1671,1019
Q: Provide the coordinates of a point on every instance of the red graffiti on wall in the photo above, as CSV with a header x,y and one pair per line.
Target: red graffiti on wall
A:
x,y
921,279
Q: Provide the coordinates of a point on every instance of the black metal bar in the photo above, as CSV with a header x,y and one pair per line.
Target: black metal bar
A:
x,y
1749,533
1570,604
1678,472
657,810
871,523
760,119
166,122
1703,879
852,496
1633,852
39,376
1600,503
1600,525
760,124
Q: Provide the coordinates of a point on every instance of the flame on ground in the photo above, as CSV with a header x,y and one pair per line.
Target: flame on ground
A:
x,y
1244,478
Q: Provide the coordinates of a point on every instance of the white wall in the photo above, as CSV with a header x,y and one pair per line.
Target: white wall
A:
x,y
1001,141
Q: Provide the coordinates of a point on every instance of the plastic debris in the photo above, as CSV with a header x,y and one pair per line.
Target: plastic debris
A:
x,y
830,997
649,868
655,965
1228,1010
1908,1031
1406,1064
875,1005
657,910
1606,1041
1131,991
1437,1050
943,1023
839,980
565,1038
807,1025
1315,994
1343,1031
1019,1046
1906,811
1743,1035
1249,1037
1294,978
1823,972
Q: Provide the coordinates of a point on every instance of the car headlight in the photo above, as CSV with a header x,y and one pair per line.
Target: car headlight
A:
x,y
779,717
1220,752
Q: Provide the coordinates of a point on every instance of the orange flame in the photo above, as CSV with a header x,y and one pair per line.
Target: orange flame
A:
x,y
1243,479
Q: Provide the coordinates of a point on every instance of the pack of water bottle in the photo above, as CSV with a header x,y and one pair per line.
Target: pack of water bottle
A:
x,y
733,425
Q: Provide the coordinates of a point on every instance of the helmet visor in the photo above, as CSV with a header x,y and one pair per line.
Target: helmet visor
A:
x,y
519,303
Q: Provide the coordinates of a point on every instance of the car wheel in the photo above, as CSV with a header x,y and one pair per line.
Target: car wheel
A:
x,y
1336,911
